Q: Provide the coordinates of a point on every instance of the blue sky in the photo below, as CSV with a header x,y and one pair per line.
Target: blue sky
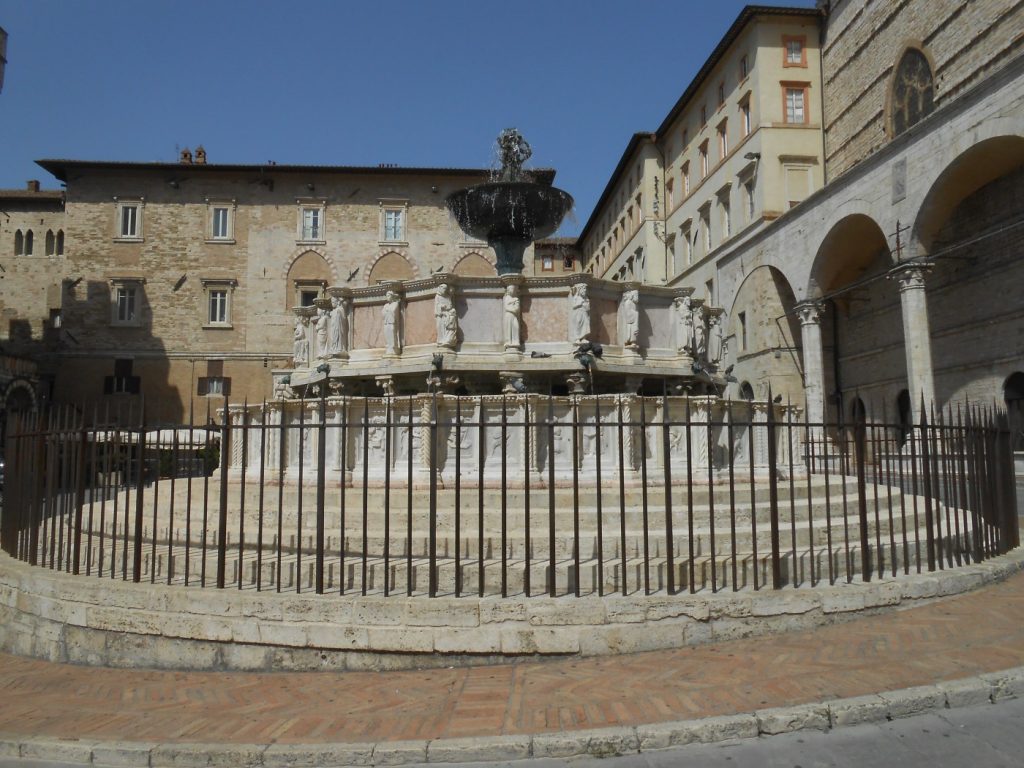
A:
x,y
426,83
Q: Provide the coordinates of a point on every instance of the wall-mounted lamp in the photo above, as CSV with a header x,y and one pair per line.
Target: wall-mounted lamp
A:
x,y
752,156
311,186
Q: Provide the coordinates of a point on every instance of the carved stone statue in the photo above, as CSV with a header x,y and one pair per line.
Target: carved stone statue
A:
x,y
339,325
715,339
300,346
392,314
445,317
322,321
700,337
629,318
579,314
510,323
682,323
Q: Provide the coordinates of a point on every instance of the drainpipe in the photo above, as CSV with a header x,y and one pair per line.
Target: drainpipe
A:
x,y
838,392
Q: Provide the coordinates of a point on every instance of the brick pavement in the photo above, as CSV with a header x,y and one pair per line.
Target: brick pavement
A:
x,y
952,638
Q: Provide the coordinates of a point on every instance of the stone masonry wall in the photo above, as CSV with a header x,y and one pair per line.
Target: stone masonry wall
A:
x,y
966,42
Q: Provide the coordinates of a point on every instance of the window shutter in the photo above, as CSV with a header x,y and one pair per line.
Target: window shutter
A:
x,y
227,386
122,368
108,385
202,386
134,384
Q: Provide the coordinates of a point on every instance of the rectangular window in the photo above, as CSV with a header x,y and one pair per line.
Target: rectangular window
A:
x,y
703,115
748,189
687,252
311,224
744,67
670,198
798,183
547,263
686,138
726,222
220,224
686,180
743,331
129,221
795,52
394,228
723,140
307,297
704,159
796,104
123,382
218,307
125,304
721,94
705,225
709,291
745,118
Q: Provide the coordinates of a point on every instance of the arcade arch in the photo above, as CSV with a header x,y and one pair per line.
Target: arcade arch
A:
x,y
390,266
474,265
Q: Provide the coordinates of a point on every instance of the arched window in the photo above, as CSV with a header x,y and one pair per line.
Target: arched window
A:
x,y
28,243
60,242
746,391
19,243
50,242
913,91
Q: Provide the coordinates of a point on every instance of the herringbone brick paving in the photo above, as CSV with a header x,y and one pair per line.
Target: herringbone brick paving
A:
x,y
958,637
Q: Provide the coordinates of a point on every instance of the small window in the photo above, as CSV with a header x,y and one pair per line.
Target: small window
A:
x,y
221,218
123,381
19,243
723,140
795,97
218,307
392,223
687,253
568,263
726,222
705,223
745,118
670,198
721,94
704,160
60,242
703,115
709,291
744,67
748,190
795,52
129,219
126,302
51,242
686,138
547,264
743,331
311,224
686,180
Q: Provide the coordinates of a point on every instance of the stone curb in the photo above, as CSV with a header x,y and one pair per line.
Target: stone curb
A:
x,y
992,687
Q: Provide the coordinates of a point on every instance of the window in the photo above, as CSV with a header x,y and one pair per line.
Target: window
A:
x,y
392,221
705,225
913,90
51,242
795,98
745,117
28,243
744,67
795,53
686,180
703,115
748,190
547,263
123,382
687,244
311,221
214,383
308,291
126,302
60,242
686,138
670,198
709,291
704,159
721,94
723,140
129,219
218,306
568,262
743,331
19,243
311,224
221,215
726,223
798,183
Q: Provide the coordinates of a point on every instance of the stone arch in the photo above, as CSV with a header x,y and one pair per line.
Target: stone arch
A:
x,y
390,266
309,268
20,395
19,243
911,93
974,168
764,333
862,323
51,242
475,264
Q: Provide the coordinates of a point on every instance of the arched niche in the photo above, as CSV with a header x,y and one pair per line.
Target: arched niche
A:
x,y
308,272
474,265
390,266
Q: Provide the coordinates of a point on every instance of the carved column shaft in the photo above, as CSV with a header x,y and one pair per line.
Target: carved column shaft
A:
x,y
810,313
916,334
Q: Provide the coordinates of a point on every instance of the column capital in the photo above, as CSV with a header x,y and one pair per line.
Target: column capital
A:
x,y
810,312
910,276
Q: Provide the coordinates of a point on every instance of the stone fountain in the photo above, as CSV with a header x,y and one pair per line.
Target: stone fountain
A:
x,y
565,334
511,211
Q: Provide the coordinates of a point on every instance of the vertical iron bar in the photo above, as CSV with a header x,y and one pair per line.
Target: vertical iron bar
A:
x,y
926,480
139,478
809,460
792,493
526,496
860,456
93,479
105,489
691,565
432,457
321,491
222,519
828,505
622,501
387,488
666,450
299,494
408,506
844,470
80,501
731,450
876,481
206,496
913,485
598,500
170,514
366,490
576,495
282,439
458,505
755,561
188,489
504,497
480,495
241,489
643,495
342,542
773,494
709,441
260,511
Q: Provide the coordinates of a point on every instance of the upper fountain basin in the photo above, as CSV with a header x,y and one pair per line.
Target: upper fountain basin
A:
x,y
509,209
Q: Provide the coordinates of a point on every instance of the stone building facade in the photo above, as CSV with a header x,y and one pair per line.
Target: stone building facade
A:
x,y
182,277
897,281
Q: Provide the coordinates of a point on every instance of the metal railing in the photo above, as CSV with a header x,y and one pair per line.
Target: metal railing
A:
x,y
442,495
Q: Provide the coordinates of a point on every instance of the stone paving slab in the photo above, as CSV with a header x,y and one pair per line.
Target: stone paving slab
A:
x,y
951,652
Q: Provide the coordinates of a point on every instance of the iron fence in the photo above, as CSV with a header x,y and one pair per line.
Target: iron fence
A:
x,y
436,495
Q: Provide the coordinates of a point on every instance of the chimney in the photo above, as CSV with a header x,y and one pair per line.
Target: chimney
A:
x,y
200,155
185,158
32,185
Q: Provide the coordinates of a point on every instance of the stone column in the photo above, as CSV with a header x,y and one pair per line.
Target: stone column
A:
x,y
917,339
810,313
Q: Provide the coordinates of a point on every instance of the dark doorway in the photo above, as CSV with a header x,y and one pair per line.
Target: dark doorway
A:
x,y
1013,394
